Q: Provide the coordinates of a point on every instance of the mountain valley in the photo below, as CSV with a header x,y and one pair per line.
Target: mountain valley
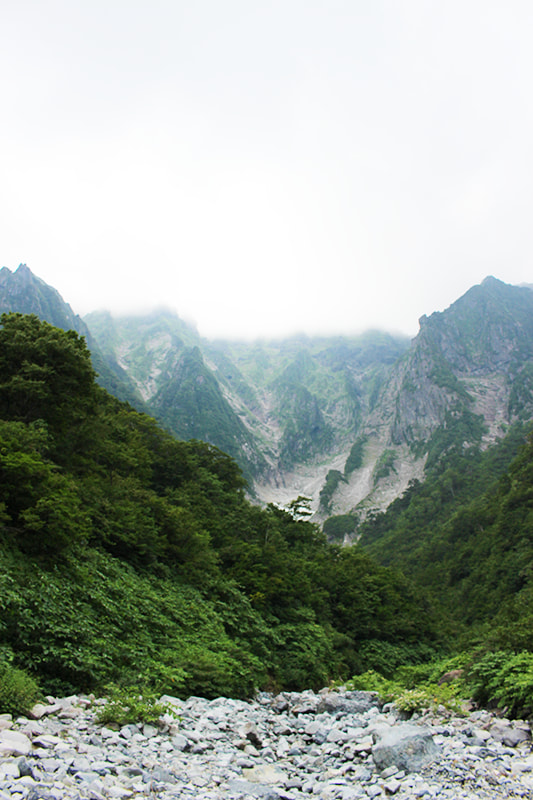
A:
x,y
131,556
348,422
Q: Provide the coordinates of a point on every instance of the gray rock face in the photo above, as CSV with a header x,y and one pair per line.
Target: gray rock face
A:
x,y
328,745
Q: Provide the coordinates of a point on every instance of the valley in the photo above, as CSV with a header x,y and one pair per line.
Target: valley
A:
x,y
290,411
212,518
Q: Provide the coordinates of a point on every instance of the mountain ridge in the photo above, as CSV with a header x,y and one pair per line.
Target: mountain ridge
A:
x,y
294,411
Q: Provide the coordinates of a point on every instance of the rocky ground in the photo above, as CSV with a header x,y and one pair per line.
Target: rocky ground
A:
x,y
332,745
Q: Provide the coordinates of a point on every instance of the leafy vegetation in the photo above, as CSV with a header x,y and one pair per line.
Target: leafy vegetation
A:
x,y
355,459
498,679
339,526
333,478
466,536
126,706
133,559
384,465
18,691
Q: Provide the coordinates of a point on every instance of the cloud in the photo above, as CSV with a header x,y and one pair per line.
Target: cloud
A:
x,y
266,168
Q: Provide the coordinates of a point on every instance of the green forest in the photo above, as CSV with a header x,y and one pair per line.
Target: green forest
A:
x,y
133,559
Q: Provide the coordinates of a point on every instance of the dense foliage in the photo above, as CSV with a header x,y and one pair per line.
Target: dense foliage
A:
x,y
131,558
466,531
466,536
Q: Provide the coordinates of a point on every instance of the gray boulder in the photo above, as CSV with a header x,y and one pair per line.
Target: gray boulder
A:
x,y
347,702
408,747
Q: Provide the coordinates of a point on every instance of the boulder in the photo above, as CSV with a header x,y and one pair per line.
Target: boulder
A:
x,y
347,702
41,710
6,721
265,774
13,743
408,747
502,731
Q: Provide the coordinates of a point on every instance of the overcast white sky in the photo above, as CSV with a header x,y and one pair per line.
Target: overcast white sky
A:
x,y
267,167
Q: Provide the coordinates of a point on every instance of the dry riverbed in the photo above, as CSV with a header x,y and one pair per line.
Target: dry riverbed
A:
x,y
331,745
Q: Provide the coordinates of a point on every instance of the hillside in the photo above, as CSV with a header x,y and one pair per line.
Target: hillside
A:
x,y
285,410
23,292
466,378
130,557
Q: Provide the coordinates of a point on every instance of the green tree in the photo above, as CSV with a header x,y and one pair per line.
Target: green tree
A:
x,y
46,374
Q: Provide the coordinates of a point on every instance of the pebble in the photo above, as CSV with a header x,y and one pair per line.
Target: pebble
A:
x,y
295,746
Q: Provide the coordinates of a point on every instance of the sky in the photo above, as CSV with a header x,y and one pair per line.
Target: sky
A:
x,y
266,168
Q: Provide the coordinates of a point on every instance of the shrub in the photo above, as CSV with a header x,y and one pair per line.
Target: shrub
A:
x,y
505,679
406,696
125,706
18,691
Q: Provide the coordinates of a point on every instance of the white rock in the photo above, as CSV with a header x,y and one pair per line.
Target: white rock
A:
x,y
41,710
13,743
9,769
47,741
264,773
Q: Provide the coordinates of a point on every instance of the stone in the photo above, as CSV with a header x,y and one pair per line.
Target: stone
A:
x,y
40,793
40,710
180,742
322,753
161,775
264,773
47,741
13,743
406,746
10,769
6,721
249,731
510,736
348,702
392,786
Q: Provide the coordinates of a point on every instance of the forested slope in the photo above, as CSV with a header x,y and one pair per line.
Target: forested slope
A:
x,y
466,533
130,557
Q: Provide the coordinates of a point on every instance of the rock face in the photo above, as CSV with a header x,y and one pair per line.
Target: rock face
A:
x,y
468,357
334,745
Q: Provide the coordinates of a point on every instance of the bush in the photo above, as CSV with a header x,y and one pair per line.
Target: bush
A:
x,y
505,679
128,706
18,691
408,696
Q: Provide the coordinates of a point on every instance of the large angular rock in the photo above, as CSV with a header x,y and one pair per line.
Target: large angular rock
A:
x,y
347,702
265,774
408,747
502,731
41,710
13,743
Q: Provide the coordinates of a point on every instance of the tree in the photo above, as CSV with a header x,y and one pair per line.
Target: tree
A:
x,y
46,374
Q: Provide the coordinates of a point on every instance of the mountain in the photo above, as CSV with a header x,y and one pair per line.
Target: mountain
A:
x,y
466,377
346,421
288,411
305,399
23,292
349,422
164,358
